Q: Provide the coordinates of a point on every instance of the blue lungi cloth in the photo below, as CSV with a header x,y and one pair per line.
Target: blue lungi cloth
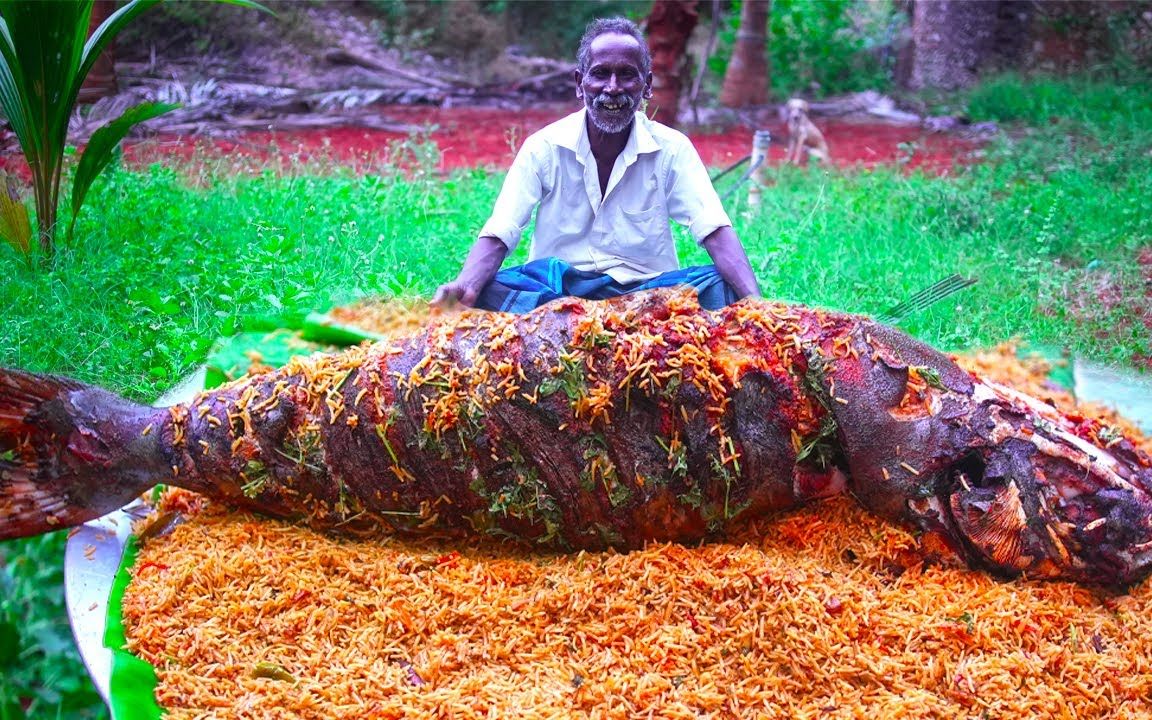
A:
x,y
523,288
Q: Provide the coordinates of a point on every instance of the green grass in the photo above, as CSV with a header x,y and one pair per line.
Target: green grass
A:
x,y
173,257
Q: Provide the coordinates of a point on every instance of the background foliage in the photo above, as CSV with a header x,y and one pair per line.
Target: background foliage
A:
x,y
816,48
821,48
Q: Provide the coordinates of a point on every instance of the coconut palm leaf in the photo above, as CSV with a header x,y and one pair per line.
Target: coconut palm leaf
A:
x,y
41,57
45,54
100,148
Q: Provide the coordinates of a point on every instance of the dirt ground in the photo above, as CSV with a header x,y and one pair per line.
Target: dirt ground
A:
x,y
484,136
489,136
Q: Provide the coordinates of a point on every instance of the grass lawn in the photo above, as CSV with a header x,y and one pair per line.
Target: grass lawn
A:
x,y
171,257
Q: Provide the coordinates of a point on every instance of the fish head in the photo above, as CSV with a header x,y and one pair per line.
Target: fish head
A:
x,y
1041,497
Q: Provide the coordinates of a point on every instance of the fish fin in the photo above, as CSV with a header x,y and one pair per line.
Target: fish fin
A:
x,y
62,453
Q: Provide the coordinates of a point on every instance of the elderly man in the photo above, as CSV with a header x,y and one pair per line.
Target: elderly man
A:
x,y
605,181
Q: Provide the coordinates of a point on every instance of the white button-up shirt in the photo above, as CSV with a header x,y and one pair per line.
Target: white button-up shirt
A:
x,y
625,233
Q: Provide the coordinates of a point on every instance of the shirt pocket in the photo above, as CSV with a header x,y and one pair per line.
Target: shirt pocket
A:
x,y
642,230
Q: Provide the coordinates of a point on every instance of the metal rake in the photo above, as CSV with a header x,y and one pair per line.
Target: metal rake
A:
x,y
930,295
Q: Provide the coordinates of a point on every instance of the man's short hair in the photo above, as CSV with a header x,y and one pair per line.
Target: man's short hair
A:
x,y
616,26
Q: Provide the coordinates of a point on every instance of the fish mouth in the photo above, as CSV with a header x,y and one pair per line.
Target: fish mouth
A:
x,y
985,525
989,516
1009,511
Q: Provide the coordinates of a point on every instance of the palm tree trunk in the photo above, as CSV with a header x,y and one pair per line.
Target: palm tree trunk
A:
x,y
746,82
47,198
670,24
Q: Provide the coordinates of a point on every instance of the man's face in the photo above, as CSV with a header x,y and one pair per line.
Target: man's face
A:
x,y
613,86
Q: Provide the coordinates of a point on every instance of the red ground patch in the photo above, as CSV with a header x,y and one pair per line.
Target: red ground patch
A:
x,y
471,136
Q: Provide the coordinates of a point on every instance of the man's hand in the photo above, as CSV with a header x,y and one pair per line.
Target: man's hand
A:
x,y
454,292
480,267
731,261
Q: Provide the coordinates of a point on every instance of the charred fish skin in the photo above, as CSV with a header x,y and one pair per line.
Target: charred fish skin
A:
x,y
1010,484
610,423
587,426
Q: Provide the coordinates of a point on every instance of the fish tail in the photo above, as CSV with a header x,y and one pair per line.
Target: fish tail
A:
x,y
69,453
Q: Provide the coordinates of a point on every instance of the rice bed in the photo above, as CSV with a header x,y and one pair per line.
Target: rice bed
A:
x,y
821,612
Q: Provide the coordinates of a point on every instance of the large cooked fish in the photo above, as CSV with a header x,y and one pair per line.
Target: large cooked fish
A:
x,y
609,423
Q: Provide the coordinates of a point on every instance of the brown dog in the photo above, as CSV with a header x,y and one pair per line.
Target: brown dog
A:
x,y
803,135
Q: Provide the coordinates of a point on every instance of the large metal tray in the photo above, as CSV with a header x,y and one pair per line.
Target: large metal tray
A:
x,y
91,558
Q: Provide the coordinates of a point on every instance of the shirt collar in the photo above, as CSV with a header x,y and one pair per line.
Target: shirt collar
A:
x,y
645,142
574,136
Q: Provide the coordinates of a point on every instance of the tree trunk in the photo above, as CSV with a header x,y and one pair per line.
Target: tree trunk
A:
x,y
951,40
101,80
1012,36
746,82
902,44
670,24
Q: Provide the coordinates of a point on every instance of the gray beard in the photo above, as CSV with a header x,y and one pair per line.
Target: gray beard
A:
x,y
606,125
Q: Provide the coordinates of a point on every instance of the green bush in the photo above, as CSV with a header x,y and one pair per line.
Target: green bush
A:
x,y
1099,107
40,672
832,46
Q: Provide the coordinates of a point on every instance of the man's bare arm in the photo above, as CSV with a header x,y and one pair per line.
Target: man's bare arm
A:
x,y
483,260
731,261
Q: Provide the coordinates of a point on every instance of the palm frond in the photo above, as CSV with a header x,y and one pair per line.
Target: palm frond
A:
x,y
100,149
45,55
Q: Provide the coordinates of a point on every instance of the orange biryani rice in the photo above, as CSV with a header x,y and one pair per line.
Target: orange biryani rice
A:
x,y
823,612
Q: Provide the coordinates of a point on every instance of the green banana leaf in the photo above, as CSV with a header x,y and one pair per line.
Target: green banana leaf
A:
x,y
321,328
231,357
1058,359
132,684
275,339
